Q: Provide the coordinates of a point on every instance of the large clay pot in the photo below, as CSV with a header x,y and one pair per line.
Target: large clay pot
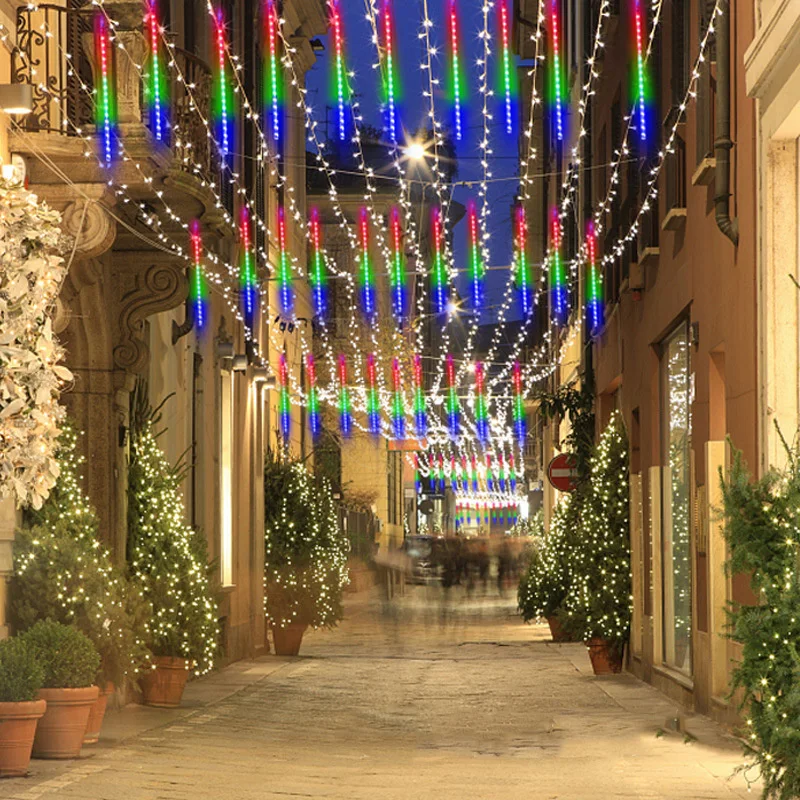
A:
x,y
17,729
98,711
557,631
163,686
59,733
605,659
287,640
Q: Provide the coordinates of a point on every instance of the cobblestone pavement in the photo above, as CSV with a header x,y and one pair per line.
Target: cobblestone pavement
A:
x,y
426,697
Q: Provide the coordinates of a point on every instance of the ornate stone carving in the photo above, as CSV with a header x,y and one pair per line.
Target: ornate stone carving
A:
x,y
159,287
90,225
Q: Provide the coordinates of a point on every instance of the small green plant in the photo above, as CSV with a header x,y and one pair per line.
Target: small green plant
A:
x,y
67,657
21,675
305,567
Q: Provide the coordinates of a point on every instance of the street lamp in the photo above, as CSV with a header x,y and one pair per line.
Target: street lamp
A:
x,y
415,151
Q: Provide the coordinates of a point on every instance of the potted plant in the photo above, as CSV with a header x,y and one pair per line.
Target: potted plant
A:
x,y
597,608
168,559
62,572
69,662
21,708
305,568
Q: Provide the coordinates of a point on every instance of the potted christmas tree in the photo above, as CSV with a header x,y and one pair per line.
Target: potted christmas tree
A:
x,y
62,572
21,678
69,662
305,567
168,559
597,608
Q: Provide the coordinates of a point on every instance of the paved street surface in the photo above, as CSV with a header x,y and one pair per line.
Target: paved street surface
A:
x,y
422,698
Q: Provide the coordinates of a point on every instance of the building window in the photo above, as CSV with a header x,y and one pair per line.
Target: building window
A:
x,y
226,457
395,478
677,442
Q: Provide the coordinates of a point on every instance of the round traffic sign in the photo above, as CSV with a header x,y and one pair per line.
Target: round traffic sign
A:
x,y
562,472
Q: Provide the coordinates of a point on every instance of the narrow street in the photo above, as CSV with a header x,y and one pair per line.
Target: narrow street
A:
x,y
421,698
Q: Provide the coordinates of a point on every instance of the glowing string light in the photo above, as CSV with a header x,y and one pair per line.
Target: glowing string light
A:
x,y
520,422
373,403
489,474
594,286
481,411
247,274
477,269
156,87
417,478
558,281
556,77
524,276
501,472
314,417
641,80
199,288
440,472
285,293
317,274
272,84
453,409
453,473
106,103
512,474
366,273
508,88
398,404
464,474
223,102
457,93
474,475
438,270
340,85
397,273
345,405
284,401
420,411
391,83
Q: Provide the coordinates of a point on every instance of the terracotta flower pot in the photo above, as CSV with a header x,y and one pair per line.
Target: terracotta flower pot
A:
x,y
59,733
17,729
163,686
605,658
98,711
287,640
557,631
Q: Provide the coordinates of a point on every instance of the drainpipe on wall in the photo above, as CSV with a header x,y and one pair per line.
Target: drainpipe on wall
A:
x,y
723,143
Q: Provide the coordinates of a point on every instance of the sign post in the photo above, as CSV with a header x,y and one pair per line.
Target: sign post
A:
x,y
562,472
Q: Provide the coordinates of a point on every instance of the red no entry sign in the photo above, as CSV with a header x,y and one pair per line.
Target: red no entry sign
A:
x,y
562,472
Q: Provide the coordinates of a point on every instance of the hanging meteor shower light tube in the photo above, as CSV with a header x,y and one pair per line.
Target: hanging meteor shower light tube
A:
x,y
284,402
314,417
508,75
285,293
558,281
339,84
420,412
156,87
391,82
345,407
457,93
366,274
199,288
438,270
272,85
481,413
106,103
556,77
317,274
247,274
477,269
524,278
223,102
594,286
453,411
398,406
373,404
520,423
641,78
397,274
512,474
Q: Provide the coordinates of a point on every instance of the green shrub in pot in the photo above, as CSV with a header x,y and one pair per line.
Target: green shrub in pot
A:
x,y
21,674
67,657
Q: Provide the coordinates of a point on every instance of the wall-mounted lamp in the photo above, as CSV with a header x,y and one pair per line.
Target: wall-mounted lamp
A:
x,y
262,377
16,98
239,364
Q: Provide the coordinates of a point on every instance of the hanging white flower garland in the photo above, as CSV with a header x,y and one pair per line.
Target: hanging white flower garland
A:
x,y
31,379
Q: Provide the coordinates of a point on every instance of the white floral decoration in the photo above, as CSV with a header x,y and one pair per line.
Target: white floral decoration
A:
x,y
31,378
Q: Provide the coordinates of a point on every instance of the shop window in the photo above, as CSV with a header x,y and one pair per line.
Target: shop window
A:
x,y
676,500
226,461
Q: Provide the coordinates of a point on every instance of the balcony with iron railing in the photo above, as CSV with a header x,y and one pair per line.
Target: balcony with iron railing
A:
x,y
55,54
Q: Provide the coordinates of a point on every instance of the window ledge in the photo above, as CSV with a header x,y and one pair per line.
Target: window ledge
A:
x,y
704,174
675,676
648,256
674,219
636,277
